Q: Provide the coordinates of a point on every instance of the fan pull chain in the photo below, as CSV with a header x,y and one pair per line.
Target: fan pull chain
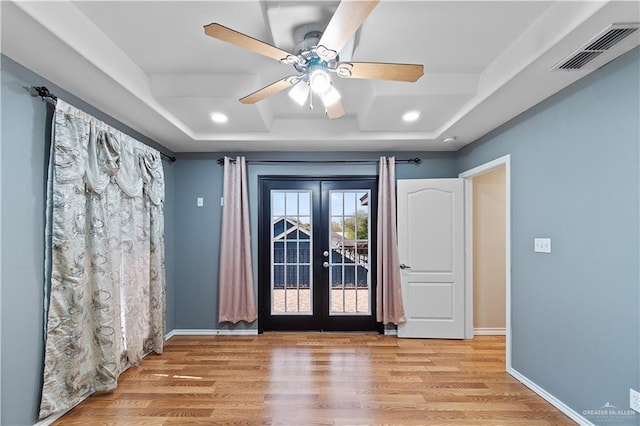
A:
x,y
311,100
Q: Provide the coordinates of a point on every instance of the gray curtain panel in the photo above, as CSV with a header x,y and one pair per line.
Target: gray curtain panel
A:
x,y
236,299
389,287
107,280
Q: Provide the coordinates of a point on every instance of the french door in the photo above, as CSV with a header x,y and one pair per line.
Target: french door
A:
x,y
317,254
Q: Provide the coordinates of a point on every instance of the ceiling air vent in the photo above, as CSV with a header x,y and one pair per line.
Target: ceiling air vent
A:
x,y
595,47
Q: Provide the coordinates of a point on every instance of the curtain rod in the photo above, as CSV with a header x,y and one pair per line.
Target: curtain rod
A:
x,y
47,96
415,160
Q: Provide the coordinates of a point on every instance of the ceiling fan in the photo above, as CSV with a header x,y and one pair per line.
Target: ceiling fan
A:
x,y
317,56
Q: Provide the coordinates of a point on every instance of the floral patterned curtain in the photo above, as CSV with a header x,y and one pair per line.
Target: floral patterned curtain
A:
x,y
107,283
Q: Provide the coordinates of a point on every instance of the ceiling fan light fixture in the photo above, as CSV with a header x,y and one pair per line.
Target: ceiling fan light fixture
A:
x,y
319,80
218,117
330,96
299,93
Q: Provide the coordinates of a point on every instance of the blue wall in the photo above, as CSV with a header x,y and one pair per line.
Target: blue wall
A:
x,y
24,152
197,242
170,242
575,178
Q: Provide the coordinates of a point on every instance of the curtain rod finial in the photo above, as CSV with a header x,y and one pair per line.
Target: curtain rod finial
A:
x,y
43,92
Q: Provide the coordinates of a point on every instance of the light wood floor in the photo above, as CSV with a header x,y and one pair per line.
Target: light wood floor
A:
x,y
320,379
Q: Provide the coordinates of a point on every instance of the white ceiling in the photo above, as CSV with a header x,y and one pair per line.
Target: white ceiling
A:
x,y
149,65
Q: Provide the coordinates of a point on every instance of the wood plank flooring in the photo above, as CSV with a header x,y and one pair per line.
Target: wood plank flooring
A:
x,y
319,379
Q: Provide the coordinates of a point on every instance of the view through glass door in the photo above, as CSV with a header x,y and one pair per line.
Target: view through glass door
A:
x,y
316,260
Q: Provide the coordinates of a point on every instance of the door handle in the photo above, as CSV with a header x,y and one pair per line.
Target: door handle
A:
x,y
325,253
403,266
325,264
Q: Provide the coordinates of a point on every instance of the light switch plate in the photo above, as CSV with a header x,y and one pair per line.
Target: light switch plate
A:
x,y
542,245
199,202
634,400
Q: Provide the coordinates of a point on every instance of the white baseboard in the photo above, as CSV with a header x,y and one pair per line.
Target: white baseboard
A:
x,y
489,331
52,418
210,332
550,398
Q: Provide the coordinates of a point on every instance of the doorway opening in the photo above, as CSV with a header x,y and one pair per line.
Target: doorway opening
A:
x,y
488,240
316,263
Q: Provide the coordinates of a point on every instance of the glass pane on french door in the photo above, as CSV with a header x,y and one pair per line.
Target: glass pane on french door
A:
x,y
291,248
349,268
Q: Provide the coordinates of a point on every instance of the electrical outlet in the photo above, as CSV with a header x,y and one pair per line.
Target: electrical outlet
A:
x,y
634,400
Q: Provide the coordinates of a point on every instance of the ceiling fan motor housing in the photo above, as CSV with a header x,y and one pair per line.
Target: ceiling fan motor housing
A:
x,y
307,54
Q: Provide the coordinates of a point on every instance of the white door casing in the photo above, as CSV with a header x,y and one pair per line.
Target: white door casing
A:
x,y
468,176
431,245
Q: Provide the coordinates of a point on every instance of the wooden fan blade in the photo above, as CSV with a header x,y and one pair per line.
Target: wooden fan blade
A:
x,y
242,40
384,71
348,17
336,110
269,90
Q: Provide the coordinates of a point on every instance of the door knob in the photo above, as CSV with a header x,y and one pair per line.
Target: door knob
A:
x,y
325,253
325,264
403,266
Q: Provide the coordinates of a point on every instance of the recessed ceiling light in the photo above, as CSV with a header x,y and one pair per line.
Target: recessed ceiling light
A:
x,y
218,117
411,116
449,140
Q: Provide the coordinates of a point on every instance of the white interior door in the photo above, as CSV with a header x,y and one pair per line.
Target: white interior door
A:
x,y
431,246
